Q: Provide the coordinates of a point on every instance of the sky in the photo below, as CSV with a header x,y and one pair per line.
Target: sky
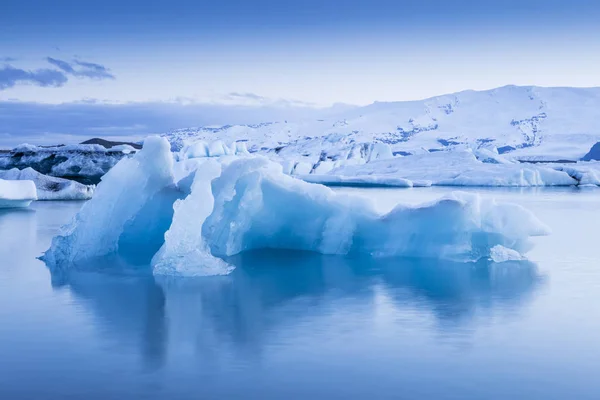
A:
x,y
276,55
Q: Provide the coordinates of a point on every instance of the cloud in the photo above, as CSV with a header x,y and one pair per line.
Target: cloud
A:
x,y
11,76
40,123
82,69
250,99
250,96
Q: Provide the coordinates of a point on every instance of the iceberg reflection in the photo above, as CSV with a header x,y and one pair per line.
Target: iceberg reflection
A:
x,y
274,294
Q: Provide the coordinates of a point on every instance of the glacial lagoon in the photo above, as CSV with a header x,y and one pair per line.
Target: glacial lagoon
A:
x,y
302,325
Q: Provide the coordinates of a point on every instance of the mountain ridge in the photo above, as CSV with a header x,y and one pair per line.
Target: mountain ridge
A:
x,y
527,122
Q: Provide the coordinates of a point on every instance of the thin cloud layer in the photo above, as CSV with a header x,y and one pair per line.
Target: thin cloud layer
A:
x,y
258,100
39,123
82,69
11,76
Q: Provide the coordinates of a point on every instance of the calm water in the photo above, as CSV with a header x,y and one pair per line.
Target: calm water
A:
x,y
297,325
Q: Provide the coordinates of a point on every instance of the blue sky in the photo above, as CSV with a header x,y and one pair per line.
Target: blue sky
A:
x,y
289,53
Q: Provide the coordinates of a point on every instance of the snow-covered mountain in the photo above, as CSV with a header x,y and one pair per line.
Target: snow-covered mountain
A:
x,y
525,123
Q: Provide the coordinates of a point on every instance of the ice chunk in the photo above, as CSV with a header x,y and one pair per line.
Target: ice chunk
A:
x,y
328,154
217,148
491,157
130,211
185,252
364,180
457,168
84,163
240,148
323,167
586,173
257,206
196,150
379,151
16,193
302,168
51,188
502,254
124,148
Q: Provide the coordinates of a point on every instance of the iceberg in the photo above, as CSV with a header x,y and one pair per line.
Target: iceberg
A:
x,y
500,254
447,168
585,173
185,251
16,194
85,163
257,206
217,148
362,180
190,224
127,217
51,188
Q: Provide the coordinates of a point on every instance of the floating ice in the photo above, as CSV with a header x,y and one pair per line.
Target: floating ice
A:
x,y
130,211
585,173
51,188
491,156
257,206
185,251
448,168
217,148
86,163
225,207
502,254
15,193
361,180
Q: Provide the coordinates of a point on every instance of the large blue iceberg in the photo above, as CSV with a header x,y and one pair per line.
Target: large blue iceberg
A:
x,y
187,217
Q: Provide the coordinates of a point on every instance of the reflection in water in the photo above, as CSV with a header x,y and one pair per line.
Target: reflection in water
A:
x,y
23,238
275,291
130,309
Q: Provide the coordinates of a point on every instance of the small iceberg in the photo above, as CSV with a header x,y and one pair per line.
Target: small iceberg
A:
x,y
500,254
50,187
446,168
188,217
16,194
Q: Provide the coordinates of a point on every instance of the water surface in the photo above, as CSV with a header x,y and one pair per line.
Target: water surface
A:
x,y
301,325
